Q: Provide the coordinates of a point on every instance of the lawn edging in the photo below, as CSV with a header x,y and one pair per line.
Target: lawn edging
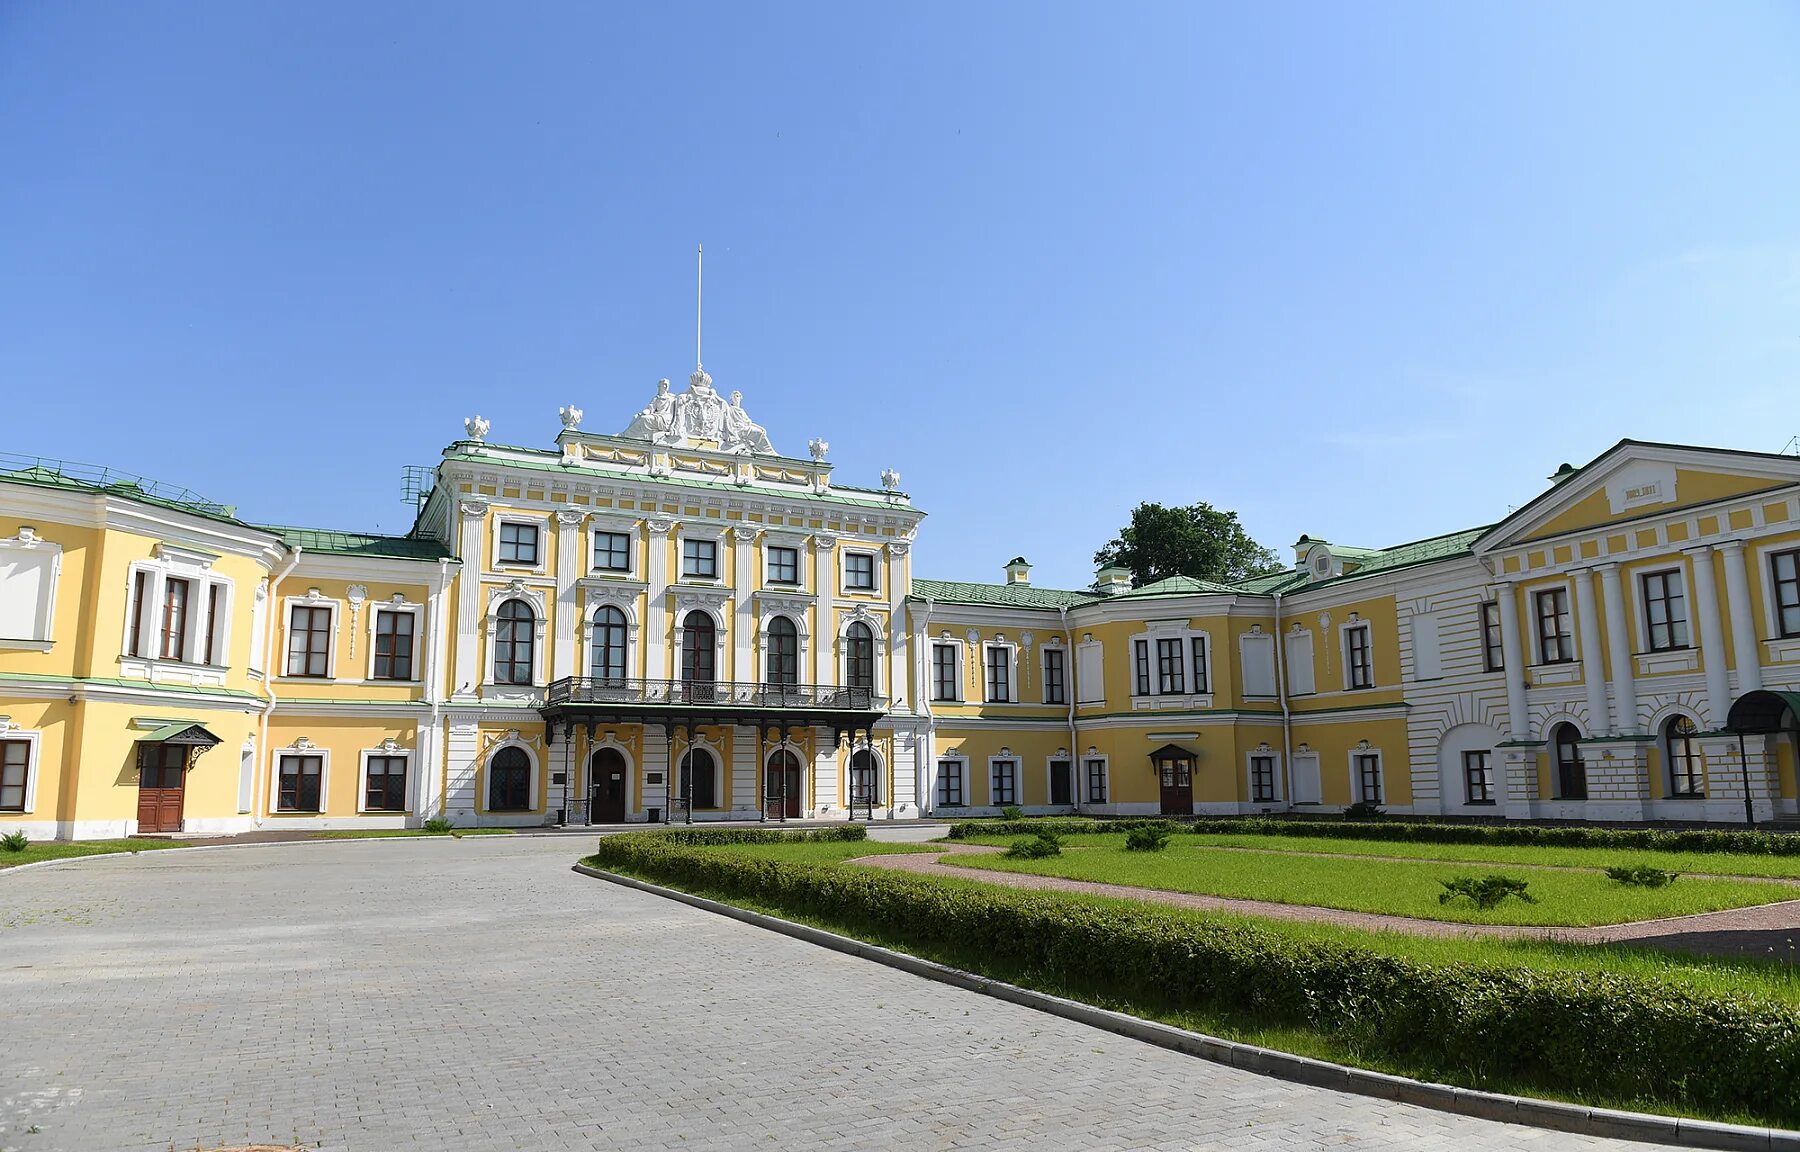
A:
x,y
75,858
1551,1114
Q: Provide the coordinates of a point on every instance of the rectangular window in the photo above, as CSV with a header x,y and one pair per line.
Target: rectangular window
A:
x,y
1171,676
386,789
1262,779
700,558
175,617
299,783
1096,781
1478,776
1785,568
612,551
999,675
1368,777
1665,611
215,603
944,678
1356,657
859,571
784,565
393,645
1493,653
1555,645
15,762
1140,657
518,543
1056,689
140,607
1200,677
1005,783
950,784
309,641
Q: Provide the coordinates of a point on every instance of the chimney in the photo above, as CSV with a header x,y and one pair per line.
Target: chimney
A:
x,y
1112,580
1018,571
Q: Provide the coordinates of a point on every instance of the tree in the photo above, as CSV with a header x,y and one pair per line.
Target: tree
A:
x,y
1199,541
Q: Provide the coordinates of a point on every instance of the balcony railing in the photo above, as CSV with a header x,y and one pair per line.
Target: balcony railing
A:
x,y
689,694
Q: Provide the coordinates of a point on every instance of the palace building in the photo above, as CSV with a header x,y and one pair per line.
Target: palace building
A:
x,y
681,623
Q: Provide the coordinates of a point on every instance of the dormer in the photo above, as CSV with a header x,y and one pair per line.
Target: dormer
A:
x,y
1315,558
1018,571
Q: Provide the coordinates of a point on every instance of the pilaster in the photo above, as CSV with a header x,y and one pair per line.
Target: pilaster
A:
x,y
1618,641
825,628
1593,665
568,572
1708,622
656,623
466,681
743,627
825,772
1746,651
1518,718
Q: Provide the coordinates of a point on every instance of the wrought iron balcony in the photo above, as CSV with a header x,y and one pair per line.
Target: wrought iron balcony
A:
x,y
606,692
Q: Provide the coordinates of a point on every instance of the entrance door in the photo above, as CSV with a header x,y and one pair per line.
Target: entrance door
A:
x,y
1175,769
1062,783
864,785
606,782
782,786
162,772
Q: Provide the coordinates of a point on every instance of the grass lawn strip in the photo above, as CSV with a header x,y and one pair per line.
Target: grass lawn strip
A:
x,y
39,850
1568,899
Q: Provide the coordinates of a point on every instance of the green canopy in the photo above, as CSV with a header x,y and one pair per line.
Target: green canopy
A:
x,y
184,732
1759,713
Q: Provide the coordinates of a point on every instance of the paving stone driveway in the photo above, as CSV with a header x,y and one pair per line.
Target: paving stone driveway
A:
x,y
476,994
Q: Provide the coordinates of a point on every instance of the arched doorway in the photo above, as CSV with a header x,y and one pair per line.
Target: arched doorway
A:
x,y
1175,775
781,785
699,779
607,787
865,782
1571,770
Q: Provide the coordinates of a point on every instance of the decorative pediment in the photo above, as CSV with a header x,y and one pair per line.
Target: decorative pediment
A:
x,y
699,418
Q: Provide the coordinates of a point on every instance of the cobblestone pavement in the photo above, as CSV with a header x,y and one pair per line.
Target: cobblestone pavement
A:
x,y
1762,931
476,994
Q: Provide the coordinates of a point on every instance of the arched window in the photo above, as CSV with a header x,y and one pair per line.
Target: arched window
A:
x,y
697,640
700,778
515,638
865,780
859,657
784,652
1571,773
609,644
1687,772
509,781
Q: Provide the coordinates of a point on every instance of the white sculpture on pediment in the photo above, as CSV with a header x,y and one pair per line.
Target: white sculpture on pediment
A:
x,y
701,410
657,422
743,434
699,415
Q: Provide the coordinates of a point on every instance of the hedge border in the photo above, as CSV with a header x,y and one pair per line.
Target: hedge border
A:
x,y
1730,840
1603,1033
1550,1114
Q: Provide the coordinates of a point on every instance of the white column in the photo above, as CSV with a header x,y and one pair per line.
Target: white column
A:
x,y
743,626
1518,720
895,672
825,627
427,766
743,770
568,571
1712,640
1618,643
825,770
1747,651
656,625
1593,662
466,680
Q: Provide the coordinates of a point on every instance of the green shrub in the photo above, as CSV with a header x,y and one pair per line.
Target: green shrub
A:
x,y
1642,876
1603,1034
1011,813
1363,810
1148,838
438,825
1487,891
1035,847
714,837
14,841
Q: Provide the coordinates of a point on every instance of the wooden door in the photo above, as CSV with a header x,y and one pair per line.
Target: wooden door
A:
x,y
1062,783
781,786
607,777
1177,773
162,779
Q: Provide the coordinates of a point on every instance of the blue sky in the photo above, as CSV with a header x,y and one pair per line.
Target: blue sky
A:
x,y
1364,271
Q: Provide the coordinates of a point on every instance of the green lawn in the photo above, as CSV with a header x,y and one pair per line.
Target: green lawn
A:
x,y
64,849
1396,888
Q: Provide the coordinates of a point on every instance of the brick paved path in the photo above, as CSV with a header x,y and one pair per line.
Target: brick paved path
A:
x,y
476,994
1763,931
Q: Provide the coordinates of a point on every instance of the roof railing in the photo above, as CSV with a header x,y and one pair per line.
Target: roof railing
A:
x,y
110,480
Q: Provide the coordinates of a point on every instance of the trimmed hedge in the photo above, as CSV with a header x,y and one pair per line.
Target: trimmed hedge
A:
x,y
711,837
1603,1033
1738,841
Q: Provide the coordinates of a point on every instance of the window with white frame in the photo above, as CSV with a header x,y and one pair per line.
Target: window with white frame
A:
x,y
515,643
1171,667
1367,769
518,544
1140,667
784,565
1003,782
309,640
1478,775
1262,778
1687,771
384,783
859,657
1202,680
1556,642
946,674
612,551
1493,652
1056,676
29,569
608,649
1784,578
700,558
951,784
1095,771
1170,663
1665,610
1359,666
299,782
15,775
999,674
183,618
859,571
393,644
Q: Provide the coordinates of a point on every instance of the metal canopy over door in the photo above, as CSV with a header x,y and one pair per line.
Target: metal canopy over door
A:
x,y
607,777
163,756
1175,771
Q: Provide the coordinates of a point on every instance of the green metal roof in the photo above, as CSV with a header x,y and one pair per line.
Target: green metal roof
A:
x,y
187,732
1175,586
336,543
998,595
46,473
1369,562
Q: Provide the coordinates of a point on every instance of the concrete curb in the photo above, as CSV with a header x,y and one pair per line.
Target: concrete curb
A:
x,y
213,847
1574,1118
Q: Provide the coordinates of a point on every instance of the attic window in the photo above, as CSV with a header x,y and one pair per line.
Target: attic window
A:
x,y
1321,565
